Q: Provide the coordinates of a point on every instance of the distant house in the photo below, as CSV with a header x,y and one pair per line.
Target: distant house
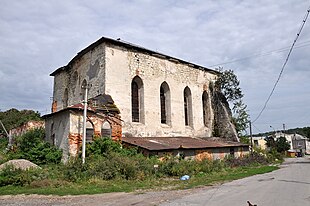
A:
x,y
298,143
259,142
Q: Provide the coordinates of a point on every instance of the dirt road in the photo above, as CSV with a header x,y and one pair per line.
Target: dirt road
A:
x,y
115,199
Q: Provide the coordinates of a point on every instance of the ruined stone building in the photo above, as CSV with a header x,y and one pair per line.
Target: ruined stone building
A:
x,y
134,92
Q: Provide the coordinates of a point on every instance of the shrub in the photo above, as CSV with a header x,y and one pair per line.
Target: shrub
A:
x,y
18,177
105,146
255,158
31,146
74,170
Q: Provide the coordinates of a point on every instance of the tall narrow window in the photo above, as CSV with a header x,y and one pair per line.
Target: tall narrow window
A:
x,y
165,105
188,112
137,104
206,109
65,98
106,129
89,131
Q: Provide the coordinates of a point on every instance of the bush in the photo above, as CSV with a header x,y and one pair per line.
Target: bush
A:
x,y
31,146
254,158
18,177
105,146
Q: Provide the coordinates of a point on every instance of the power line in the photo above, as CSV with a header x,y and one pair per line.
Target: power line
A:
x,y
286,60
300,45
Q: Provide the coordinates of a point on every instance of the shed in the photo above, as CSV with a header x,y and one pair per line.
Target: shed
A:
x,y
186,147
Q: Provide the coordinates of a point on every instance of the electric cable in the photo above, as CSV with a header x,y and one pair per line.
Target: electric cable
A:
x,y
285,62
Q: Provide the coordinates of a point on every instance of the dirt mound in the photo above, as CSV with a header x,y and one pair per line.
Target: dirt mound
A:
x,y
19,164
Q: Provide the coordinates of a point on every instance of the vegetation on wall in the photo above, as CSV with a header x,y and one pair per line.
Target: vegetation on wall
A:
x,y
229,85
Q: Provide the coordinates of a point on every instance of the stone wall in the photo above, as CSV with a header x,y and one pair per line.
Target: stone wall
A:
x,y
57,131
110,69
26,127
89,67
122,65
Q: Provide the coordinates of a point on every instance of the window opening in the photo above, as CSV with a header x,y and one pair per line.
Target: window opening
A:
x,y
106,129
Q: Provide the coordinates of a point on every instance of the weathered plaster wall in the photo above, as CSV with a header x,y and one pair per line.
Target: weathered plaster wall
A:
x,y
123,65
57,131
65,129
110,69
202,154
89,67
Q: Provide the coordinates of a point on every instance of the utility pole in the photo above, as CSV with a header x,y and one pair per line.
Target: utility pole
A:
x,y
86,87
7,134
251,137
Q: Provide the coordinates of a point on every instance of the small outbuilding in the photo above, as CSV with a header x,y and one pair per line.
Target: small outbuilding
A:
x,y
186,147
64,128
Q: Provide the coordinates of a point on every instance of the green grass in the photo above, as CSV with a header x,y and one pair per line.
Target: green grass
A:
x,y
96,186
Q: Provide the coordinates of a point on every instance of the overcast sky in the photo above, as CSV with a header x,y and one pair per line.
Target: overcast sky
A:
x,y
37,37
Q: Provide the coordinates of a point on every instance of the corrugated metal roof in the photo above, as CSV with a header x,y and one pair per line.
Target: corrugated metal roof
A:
x,y
170,143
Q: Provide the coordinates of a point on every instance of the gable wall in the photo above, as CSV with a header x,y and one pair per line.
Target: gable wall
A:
x,y
122,65
90,67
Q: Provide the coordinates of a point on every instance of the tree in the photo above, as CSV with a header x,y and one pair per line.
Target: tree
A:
x,y
282,145
13,118
228,84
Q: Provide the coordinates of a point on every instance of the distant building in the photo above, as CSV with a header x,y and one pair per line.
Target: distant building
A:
x,y
32,124
298,143
259,142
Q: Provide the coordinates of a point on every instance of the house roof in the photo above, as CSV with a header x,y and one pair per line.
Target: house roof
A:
x,y
102,103
171,143
130,46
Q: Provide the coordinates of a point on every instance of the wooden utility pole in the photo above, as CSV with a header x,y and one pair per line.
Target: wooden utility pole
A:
x,y
251,137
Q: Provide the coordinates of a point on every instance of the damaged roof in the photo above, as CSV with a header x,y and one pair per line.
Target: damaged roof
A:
x,y
119,42
171,143
101,103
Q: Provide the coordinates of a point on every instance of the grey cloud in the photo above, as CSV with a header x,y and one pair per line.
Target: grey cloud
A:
x,y
40,36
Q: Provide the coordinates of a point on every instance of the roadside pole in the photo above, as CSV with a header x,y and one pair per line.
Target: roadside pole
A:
x,y
251,138
86,87
9,136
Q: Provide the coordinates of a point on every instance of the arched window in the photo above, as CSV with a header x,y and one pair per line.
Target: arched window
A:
x,y
106,129
73,82
65,98
188,112
206,109
137,102
53,138
89,131
165,105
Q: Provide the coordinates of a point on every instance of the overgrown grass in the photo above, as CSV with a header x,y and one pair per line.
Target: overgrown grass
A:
x,y
111,168
96,186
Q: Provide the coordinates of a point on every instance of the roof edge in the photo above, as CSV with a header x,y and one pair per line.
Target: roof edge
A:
x,y
133,46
